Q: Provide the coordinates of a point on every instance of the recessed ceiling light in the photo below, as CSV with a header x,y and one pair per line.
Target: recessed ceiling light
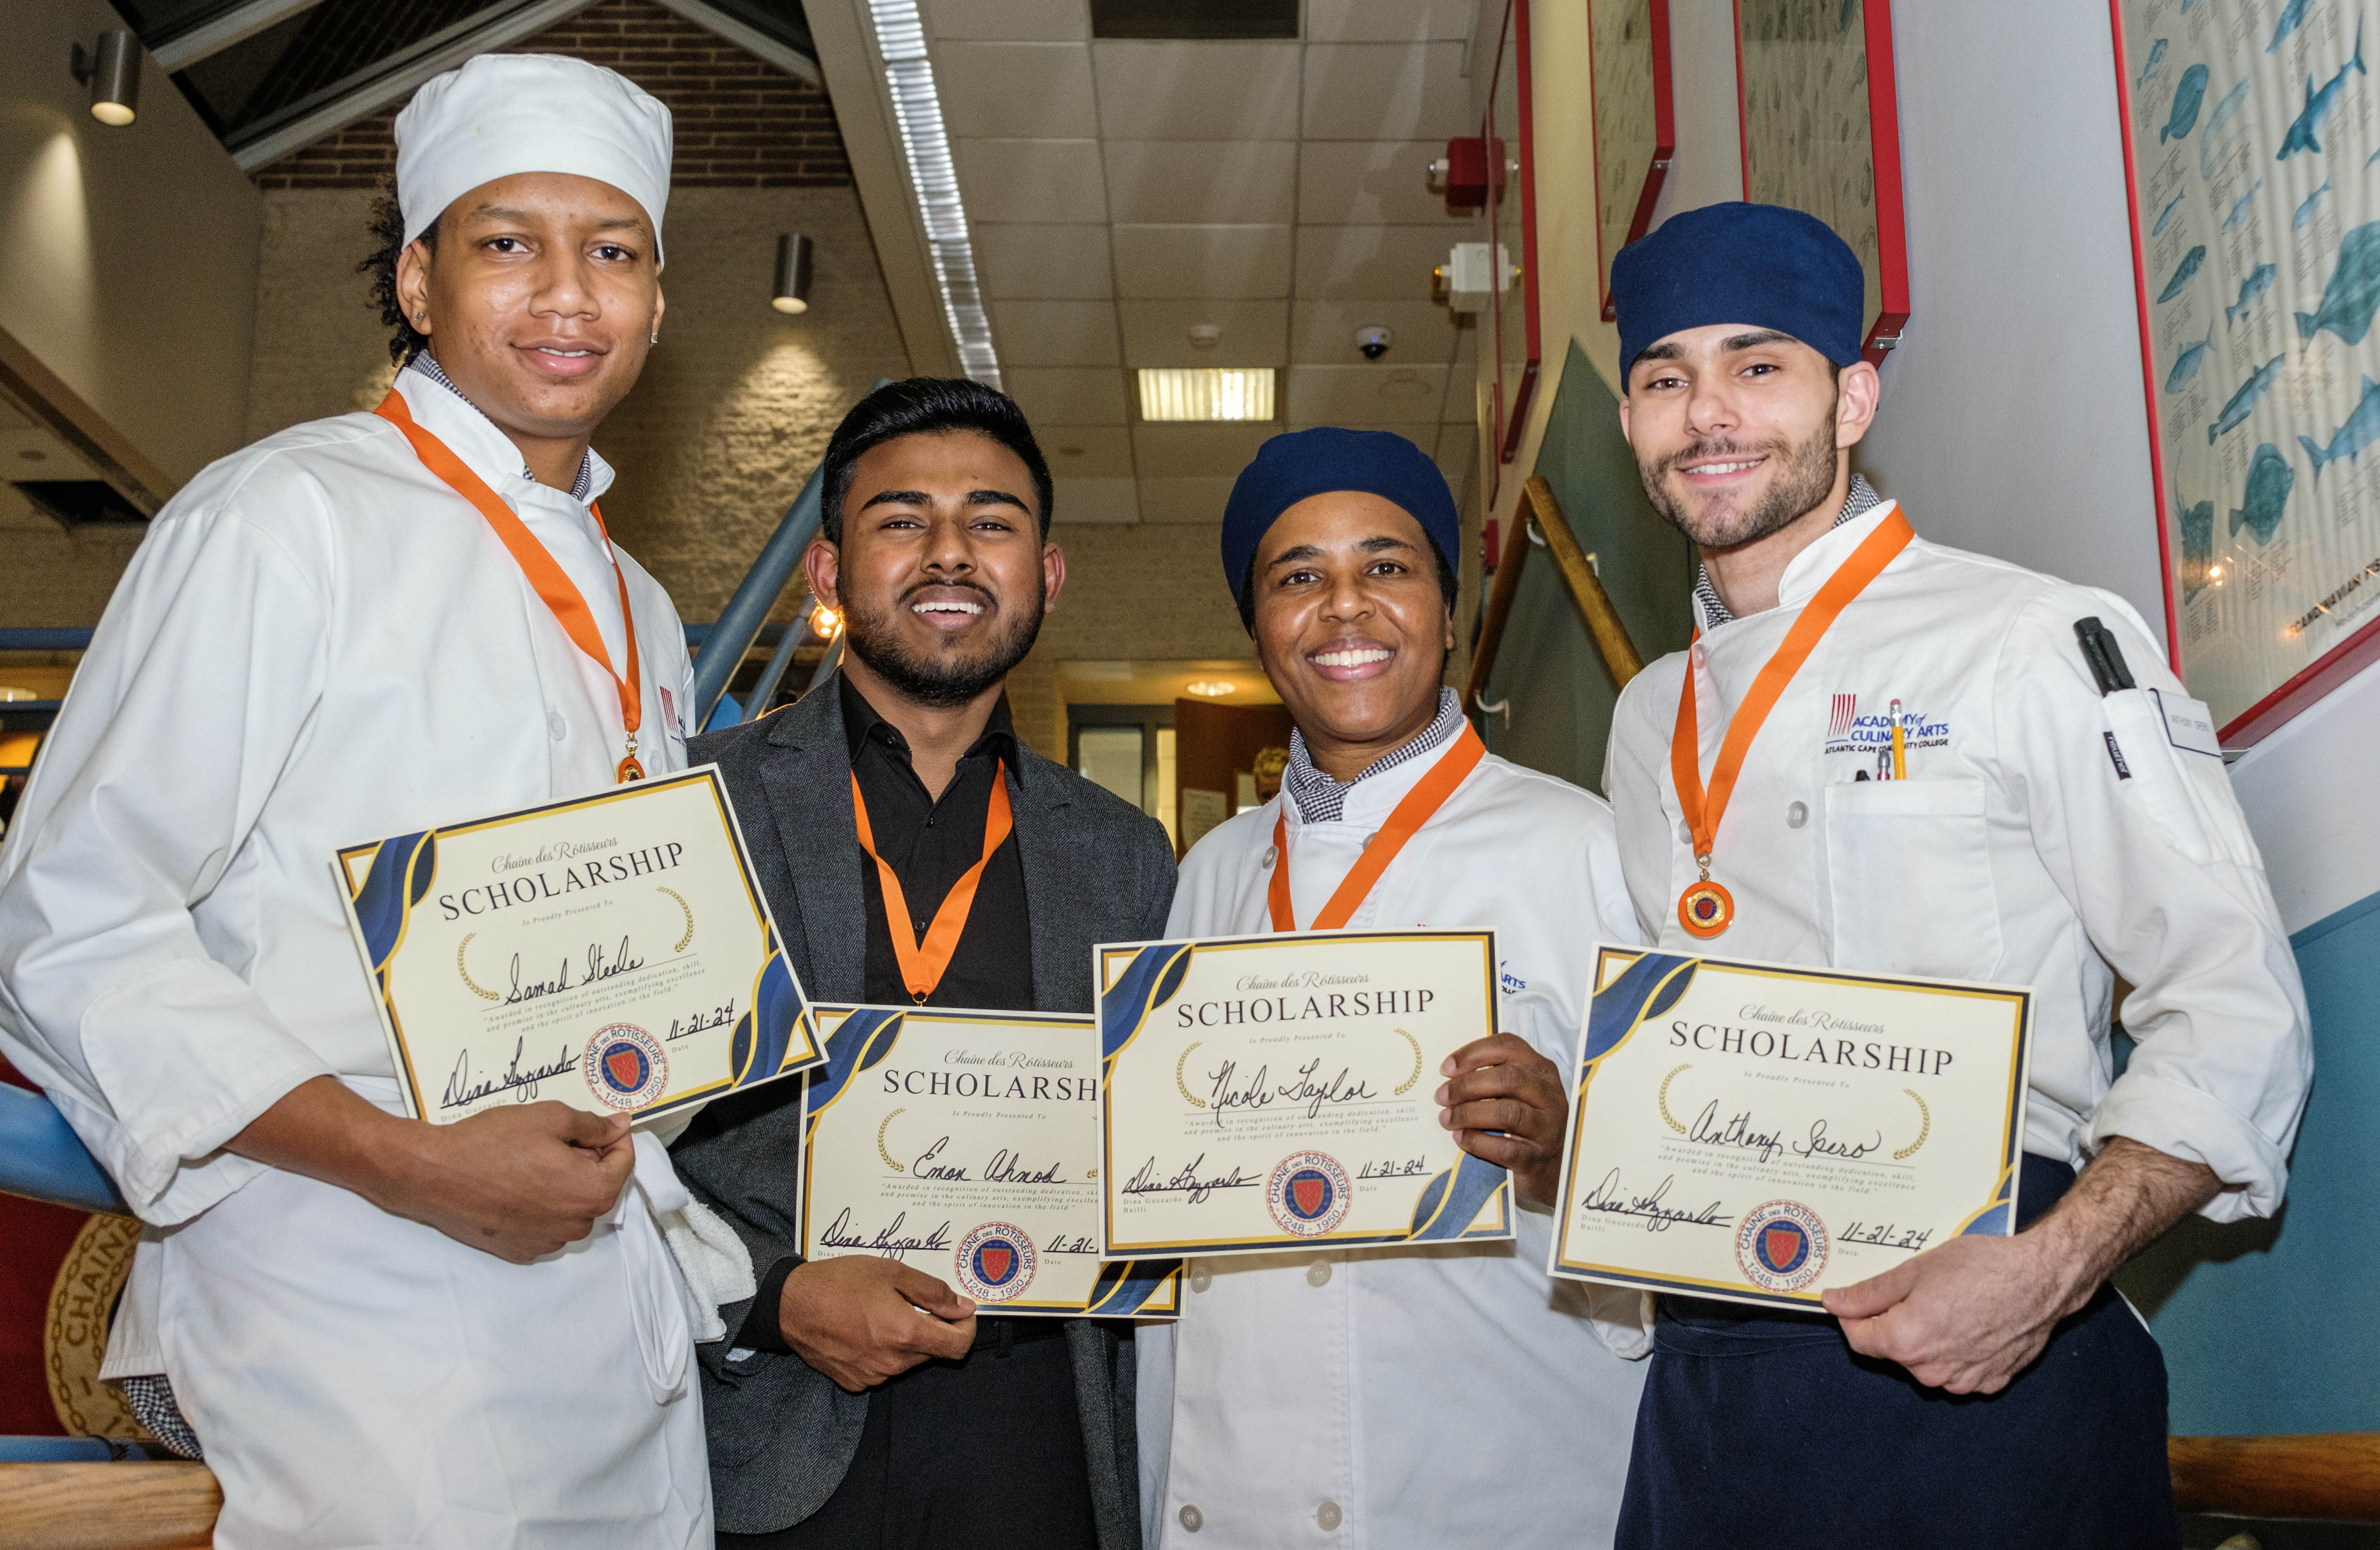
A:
x,y
1206,392
1211,688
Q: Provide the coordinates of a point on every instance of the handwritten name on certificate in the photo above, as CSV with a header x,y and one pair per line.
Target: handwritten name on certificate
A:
x,y
1759,1132
966,1145
1269,1093
610,952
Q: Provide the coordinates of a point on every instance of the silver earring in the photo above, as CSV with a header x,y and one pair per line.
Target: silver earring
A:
x,y
657,338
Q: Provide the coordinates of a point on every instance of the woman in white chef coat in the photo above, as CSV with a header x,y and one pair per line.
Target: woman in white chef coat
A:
x,y
1421,1396
382,1332
1952,782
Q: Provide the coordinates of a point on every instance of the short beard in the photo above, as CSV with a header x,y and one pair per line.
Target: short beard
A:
x,y
943,683
1806,476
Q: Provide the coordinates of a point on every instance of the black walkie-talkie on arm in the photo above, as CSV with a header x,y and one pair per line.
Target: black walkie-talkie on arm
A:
x,y
2106,656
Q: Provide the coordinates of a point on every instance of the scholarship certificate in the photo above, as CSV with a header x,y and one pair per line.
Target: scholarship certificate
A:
x,y
1269,1093
966,1145
610,951
1759,1132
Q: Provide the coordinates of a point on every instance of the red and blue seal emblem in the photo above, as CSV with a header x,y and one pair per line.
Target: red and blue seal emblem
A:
x,y
1308,1193
996,1263
1781,1246
625,1067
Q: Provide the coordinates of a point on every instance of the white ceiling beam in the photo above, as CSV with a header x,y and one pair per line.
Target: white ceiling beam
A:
x,y
751,40
216,34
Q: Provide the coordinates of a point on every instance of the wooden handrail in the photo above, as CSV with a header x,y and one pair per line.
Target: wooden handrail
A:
x,y
1499,609
2331,1475
108,1507
1594,604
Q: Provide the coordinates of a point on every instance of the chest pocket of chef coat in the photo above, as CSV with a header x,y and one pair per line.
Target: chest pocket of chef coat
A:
x,y
1910,875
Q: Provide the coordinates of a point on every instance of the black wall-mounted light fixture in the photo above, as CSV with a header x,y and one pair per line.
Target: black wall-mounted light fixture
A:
x,y
793,288
114,73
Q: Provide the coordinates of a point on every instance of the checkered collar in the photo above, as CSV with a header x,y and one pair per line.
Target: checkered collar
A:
x,y
1321,799
1862,500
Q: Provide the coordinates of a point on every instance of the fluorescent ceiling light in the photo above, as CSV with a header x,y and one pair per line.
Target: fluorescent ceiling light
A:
x,y
1206,392
1211,688
918,110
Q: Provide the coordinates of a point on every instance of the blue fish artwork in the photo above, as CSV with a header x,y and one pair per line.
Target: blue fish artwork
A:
x,y
2308,123
2188,6
2305,212
2244,401
2156,62
2213,143
2240,207
2270,478
2186,364
2352,293
2197,525
2351,439
2259,281
2166,219
2292,18
2183,272
2187,95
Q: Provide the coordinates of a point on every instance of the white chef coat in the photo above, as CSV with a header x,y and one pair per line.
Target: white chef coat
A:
x,y
320,643
1413,1397
2013,851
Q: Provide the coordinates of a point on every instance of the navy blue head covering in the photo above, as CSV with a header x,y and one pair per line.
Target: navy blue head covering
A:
x,y
1760,264
1290,467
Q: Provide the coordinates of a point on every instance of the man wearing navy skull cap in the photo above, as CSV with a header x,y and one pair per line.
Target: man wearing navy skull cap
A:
x,y
1971,771
1323,1390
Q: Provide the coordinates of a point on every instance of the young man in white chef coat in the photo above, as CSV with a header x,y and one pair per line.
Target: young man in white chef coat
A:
x,y
382,1332
1408,1398
1947,787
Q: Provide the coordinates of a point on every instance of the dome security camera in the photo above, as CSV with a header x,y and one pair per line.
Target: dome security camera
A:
x,y
1374,341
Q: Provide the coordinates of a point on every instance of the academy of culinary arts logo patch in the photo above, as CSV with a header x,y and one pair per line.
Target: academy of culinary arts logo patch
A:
x,y
626,1067
1851,729
1781,1246
1308,1193
996,1263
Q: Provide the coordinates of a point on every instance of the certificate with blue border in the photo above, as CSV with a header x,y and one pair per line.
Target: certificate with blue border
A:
x,y
610,951
1759,1132
1277,1092
966,1144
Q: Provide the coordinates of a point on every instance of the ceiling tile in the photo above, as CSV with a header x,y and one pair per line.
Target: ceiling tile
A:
x,y
1198,91
1016,90
1106,501
1012,21
1382,395
1086,451
1360,182
1387,21
1198,451
1322,332
1184,500
1067,395
1046,263
1237,180
1162,262
1055,333
1158,332
1394,262
1386,92
1052,180
1458,443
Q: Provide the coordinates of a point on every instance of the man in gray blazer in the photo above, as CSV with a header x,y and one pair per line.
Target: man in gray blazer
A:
x,y
857,1401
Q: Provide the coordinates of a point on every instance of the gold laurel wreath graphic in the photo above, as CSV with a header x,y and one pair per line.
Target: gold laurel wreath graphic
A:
x,y
1667,1118
1093,1174
1195,1102
1417,1076
689,917
879,1141
1925,1129
460,968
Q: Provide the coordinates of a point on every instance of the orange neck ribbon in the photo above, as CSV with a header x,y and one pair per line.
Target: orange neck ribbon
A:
x,y
568,606
923,964
1419,806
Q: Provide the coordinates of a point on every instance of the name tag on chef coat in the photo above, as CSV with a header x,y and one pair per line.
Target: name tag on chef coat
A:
x,y
2188,723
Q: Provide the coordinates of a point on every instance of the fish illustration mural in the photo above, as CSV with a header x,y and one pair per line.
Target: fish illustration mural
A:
x,y
2305,212
2214,144
2186,364
2353,293
2183,272
2166,219
2156,62
2243,402
2240,207
2270,478
2188,6
2197,526
2259,281
2187,96
2350,439
2292,18
2308,123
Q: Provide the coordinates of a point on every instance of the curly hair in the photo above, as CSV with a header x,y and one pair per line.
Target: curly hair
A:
x,y
388,227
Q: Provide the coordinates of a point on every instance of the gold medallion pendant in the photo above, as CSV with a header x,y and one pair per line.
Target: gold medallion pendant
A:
x,y
1706,909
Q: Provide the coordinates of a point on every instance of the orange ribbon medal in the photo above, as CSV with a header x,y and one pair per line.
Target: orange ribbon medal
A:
x,y
569,607
1706,909
1419,806
923,964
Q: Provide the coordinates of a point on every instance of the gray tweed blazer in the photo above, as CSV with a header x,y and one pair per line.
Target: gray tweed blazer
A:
x,y
1096,869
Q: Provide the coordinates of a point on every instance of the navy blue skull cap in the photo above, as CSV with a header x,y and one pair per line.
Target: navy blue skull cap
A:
x,y
1760,264
1291,467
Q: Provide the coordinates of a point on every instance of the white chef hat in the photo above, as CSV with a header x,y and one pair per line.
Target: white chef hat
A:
x,y
502,114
